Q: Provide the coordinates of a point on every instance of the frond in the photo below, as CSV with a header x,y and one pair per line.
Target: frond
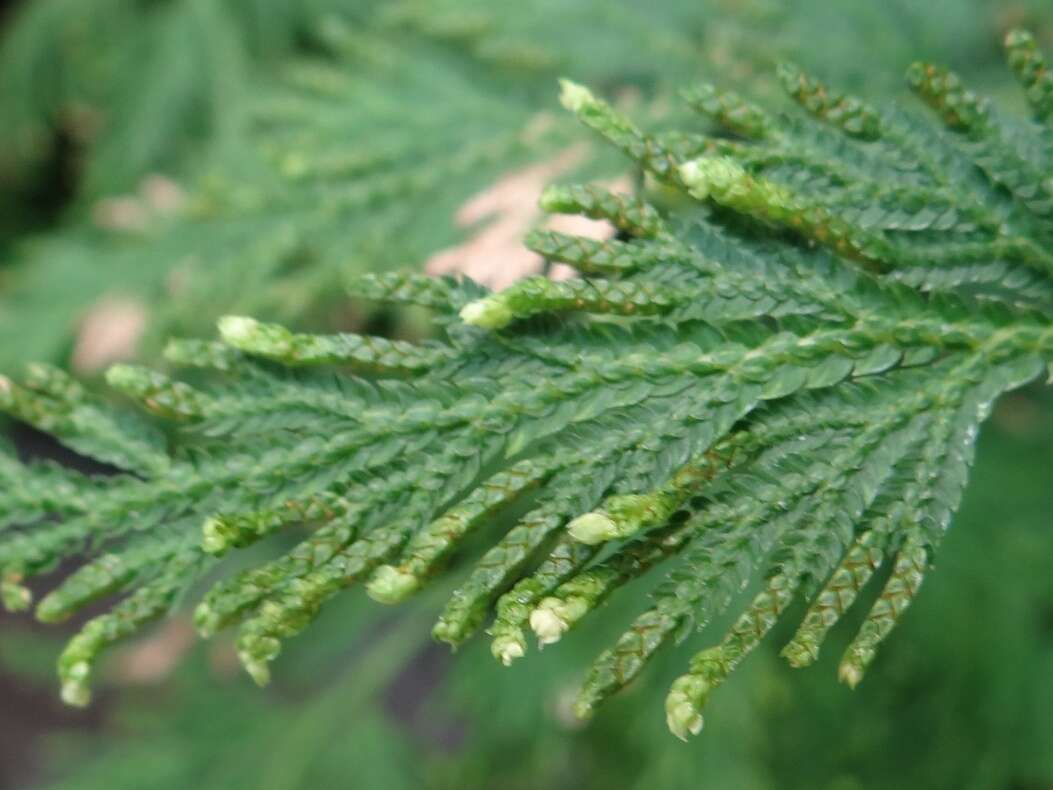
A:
x,y
778,386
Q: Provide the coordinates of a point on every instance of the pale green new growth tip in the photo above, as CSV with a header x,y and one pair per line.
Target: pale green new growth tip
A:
x,y
710,174
237,330
683,706
390,585
508,648
573,96
488,313
553,617
213,541
593,528
75,690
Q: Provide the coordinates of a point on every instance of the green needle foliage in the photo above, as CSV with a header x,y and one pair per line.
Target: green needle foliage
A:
x,y
774,388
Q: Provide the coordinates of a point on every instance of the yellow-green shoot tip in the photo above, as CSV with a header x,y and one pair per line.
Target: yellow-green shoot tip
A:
x,y
237,329
574,96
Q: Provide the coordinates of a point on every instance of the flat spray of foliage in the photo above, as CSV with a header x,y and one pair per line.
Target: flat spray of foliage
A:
x,y
783,390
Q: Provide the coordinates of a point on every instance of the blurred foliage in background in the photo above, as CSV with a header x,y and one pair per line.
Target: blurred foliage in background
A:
x,y
163,162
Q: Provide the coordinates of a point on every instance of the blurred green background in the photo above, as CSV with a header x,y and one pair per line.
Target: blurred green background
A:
x,y
96,97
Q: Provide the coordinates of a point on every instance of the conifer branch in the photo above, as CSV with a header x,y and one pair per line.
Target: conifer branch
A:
x,y
781,382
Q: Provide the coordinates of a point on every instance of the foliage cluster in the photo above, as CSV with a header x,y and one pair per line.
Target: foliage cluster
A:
x,y
771,380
